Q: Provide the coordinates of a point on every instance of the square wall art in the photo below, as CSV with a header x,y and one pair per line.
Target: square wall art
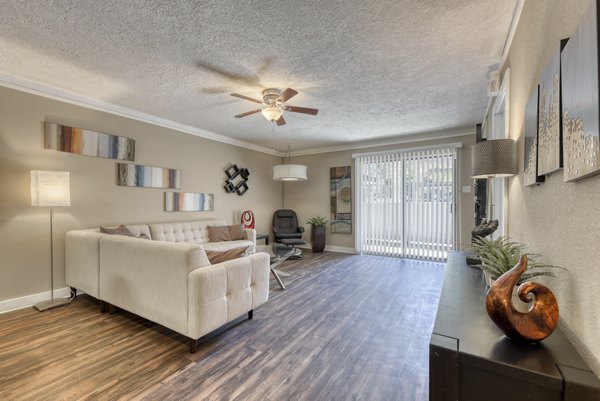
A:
x,y
579,61
530,176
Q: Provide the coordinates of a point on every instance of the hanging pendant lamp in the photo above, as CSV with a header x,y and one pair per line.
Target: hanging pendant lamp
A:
x,y
289,172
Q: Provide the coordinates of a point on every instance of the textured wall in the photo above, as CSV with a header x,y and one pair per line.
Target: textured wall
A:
x,y
559,220
95,197
311,197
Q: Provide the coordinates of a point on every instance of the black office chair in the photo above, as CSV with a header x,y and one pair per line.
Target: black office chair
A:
x,y
287,231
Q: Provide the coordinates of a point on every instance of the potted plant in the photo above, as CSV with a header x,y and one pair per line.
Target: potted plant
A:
x,y
500,255
317,233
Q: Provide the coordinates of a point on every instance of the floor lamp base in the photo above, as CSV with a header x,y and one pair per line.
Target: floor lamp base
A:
x,y
54,303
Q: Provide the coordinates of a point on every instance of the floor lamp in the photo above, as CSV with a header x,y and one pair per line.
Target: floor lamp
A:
x,y
491,159
50,189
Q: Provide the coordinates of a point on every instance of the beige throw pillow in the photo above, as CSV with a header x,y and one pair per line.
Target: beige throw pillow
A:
x,y
121,230
218,257
218,233
237,232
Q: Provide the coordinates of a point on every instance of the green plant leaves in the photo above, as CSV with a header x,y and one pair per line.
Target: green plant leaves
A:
x,y
500,255
317,221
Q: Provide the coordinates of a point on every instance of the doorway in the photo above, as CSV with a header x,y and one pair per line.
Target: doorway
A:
x,y
406,202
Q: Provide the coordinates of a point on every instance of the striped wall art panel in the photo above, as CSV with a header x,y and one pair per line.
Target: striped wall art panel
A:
x,y
90,143
188,202
137,175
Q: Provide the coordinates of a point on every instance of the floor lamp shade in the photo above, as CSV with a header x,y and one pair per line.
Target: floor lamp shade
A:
x,y
494,158
289,172
50,188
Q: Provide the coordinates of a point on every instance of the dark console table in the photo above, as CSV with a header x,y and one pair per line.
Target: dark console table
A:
x,y
471,360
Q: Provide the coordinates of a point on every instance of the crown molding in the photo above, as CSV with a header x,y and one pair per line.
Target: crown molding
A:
x,y
52,92
396,140
63,95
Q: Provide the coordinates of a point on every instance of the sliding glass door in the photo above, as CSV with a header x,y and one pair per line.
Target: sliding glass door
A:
x,y
406,203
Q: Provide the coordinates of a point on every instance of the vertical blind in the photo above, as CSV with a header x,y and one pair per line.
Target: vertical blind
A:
x,y
406,203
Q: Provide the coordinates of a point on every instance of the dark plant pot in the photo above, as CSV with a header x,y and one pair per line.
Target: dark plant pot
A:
x,y
317,238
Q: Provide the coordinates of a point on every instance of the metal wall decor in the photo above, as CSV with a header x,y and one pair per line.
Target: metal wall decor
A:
x,y
188,202
549,117
136,175
531,175
579,62
90,143
341,199
237,180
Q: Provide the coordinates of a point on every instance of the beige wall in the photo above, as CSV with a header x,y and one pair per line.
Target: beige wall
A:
x,y
95,197
559,220
311,197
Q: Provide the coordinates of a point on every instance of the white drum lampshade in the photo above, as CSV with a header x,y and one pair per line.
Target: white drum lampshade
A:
x,y
289,172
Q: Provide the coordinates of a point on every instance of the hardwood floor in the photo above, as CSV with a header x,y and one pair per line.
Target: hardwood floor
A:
x,y
348,327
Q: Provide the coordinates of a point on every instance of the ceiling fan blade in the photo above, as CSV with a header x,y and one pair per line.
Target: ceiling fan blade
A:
x,y
287,95
246,98
247,113
304,110
280,121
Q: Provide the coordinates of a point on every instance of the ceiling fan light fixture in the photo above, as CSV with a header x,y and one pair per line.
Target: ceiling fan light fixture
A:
x,y
272,113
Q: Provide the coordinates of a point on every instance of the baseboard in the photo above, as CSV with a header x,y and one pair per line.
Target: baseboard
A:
x,y
29,300
340,249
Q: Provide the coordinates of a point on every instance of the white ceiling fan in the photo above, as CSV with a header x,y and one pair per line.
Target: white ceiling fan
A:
x,y
274,100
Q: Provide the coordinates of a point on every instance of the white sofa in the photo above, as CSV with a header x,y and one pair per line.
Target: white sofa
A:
x,y
169,279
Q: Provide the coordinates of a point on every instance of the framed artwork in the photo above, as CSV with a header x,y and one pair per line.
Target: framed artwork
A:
x,y
531,176
136,175
549,155
341,199
579,62
89,143
188,202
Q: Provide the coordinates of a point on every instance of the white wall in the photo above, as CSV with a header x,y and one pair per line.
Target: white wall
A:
x,y
95,197
559,220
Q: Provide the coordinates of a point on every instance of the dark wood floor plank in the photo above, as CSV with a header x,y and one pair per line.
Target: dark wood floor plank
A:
x,y
347,328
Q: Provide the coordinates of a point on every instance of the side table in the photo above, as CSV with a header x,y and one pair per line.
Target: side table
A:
x,y
263,236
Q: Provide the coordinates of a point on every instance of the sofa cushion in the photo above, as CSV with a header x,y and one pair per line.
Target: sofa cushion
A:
x,y
237,232
194,232
121,230
217,257
219,233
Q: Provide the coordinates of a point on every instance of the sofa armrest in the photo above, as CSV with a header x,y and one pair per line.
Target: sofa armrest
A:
x,y
251,234
224,291
82,260
149,278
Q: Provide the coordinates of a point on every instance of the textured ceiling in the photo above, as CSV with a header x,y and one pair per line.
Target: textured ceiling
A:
x,y
375,69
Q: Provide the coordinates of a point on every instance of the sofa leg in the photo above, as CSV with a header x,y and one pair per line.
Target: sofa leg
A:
x,y
111,308
250,314
102,307
193,346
